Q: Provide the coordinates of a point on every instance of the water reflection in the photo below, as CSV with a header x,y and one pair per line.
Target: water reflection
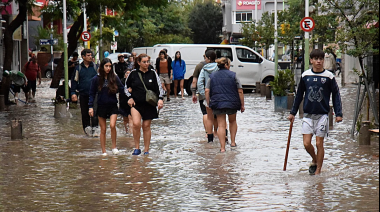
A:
x,y
56,168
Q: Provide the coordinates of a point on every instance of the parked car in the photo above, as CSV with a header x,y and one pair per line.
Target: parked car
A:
x,y
249,65
49,70
114,58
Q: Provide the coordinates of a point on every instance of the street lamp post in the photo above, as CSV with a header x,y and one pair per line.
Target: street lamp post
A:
x,y
65,51
275,38
85,21
306,50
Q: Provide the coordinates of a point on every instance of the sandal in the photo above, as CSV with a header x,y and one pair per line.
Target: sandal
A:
x,y
233,146
312,168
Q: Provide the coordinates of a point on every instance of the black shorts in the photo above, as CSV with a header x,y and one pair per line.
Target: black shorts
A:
x,y
224,111
32,84
147,111
105,111
15,88
125,110
203,107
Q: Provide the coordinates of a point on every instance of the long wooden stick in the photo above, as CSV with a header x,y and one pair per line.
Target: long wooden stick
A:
x,y
287,147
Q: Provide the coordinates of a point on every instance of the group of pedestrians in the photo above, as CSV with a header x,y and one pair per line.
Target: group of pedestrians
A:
x,y
217,89
169,70
97,89
220,94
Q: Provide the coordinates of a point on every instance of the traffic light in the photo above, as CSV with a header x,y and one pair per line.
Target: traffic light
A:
x,y
284,28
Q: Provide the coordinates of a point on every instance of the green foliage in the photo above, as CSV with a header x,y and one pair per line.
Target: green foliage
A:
x,y
250,34
44,33
149,26
288,17
356,35
265,29
283,83
206,22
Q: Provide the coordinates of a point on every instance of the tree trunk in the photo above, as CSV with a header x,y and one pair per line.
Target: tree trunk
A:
x,y
8,47
72,39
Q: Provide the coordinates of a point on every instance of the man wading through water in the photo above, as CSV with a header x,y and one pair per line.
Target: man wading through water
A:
x,y
81,81
318,85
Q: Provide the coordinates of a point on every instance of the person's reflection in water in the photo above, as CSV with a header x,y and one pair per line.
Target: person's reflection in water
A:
x,y
139,174
315,197
221,179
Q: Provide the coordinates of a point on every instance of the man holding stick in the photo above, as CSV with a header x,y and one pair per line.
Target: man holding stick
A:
x,y
317,85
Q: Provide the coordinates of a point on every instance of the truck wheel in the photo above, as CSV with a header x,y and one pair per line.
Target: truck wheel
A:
x,y
267,80
188,86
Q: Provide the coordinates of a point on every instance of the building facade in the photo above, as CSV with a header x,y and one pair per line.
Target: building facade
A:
x,y
236,12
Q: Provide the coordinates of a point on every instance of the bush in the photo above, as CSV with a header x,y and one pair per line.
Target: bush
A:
x,y
283,83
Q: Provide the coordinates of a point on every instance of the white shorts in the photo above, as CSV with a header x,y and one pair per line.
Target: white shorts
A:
x,y
318,127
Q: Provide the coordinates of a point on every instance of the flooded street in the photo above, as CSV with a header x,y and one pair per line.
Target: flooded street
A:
x,y
57,168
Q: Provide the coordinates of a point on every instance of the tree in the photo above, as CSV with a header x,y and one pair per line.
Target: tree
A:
x,y
250,34
150,25
265,29
44,33
290,28
357,35
93,11
206,22
24,6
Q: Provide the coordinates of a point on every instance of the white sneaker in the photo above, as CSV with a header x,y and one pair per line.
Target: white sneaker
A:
x,y
115,151
95,132
88,131
104,154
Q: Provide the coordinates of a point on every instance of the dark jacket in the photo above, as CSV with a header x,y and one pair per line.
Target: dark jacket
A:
x,y
83,83
223,90
104,97
315,88
151,80
120,69
169,60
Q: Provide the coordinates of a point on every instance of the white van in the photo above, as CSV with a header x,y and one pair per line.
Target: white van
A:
x,y
144,50
249,65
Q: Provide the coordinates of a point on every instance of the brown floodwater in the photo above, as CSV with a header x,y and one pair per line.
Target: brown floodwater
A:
x,y
57,168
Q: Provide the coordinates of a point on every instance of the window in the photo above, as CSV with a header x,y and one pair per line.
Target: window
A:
x,y
245,55
224,52
243,17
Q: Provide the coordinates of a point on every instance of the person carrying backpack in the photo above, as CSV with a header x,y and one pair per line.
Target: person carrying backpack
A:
x,y
31,70
81,82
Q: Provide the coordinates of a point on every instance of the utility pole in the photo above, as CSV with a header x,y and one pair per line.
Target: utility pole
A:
x,y
256,20
306,50
65,54
100,34
275,38
85,21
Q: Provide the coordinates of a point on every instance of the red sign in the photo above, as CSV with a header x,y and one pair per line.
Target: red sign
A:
x,y
85,36
307,24
111,12
248,4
